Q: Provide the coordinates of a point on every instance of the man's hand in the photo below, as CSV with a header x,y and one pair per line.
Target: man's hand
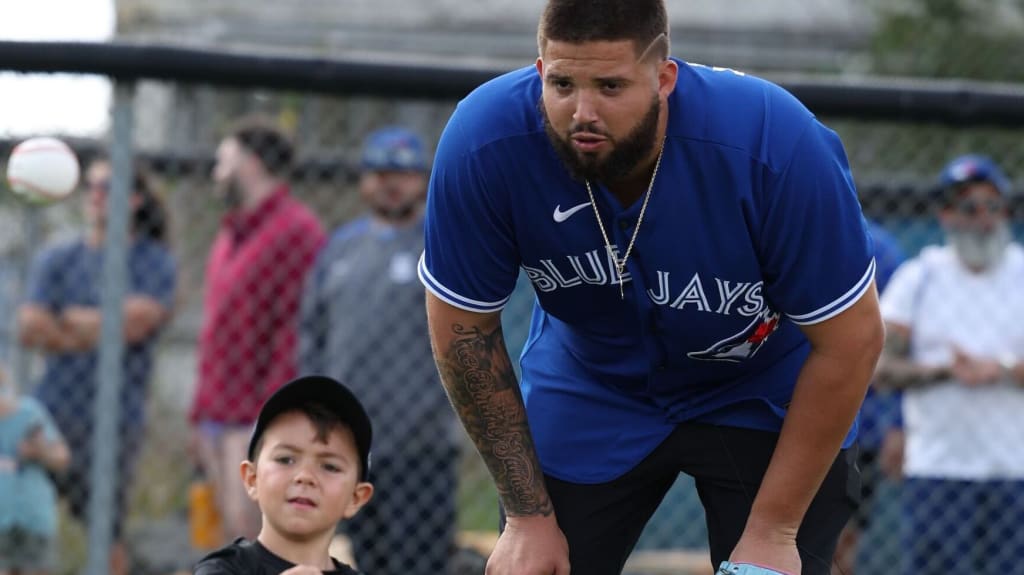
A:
x,y
83,325
531,545
973,371
727,568
768,547
890,457
302,570
53,455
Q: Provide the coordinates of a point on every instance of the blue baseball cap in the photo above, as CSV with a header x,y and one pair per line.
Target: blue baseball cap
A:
x,y
394,149
974,168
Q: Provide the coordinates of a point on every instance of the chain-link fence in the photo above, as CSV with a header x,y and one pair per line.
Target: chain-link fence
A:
x,y
322,278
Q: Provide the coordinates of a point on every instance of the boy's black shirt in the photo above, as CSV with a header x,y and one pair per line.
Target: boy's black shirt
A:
x,y
244,557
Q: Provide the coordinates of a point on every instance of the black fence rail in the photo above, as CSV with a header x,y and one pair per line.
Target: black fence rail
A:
x,y
949,102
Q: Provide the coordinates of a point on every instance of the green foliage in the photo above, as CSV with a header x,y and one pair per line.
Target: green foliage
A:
x,y
948,39
72,544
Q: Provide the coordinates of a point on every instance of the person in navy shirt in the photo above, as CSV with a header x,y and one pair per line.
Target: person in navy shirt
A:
x,y
61,319
705,299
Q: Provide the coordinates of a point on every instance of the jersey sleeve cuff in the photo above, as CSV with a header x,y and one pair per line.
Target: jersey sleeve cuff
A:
x,y
840,304
451,297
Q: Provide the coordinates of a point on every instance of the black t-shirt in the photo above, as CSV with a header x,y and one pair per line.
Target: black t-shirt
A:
x,y
245,557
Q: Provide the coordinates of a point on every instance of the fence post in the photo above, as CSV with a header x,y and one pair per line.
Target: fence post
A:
x,y
110,372
21,356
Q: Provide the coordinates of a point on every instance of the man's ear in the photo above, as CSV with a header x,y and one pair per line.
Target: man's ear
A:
x,y
540,67
360,496
248,472
668,73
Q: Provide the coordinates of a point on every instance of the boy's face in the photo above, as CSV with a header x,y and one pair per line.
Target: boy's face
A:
x,y
304,486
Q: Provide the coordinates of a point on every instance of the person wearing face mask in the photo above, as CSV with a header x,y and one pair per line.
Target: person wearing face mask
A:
x,y
266,243
954,341
363,322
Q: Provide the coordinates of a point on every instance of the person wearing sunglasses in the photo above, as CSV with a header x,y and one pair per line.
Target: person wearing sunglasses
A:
x,y
954,339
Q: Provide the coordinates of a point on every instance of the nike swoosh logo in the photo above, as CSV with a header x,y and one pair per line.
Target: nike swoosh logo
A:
x,y
561,216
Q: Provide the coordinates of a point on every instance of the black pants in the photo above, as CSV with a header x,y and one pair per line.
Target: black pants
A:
x,y
602,522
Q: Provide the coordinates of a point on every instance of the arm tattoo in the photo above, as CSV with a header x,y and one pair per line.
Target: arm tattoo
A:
x,y
477,373
897,344
897,371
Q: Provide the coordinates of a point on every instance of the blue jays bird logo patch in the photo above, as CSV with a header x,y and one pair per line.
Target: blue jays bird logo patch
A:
x,y
743,345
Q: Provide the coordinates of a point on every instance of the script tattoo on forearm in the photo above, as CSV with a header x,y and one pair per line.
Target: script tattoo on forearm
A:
x,y
482,387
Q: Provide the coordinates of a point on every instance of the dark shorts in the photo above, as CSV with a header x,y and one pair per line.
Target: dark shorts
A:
x,y
602,522
409,524
27,552
75,484
955,526
871,476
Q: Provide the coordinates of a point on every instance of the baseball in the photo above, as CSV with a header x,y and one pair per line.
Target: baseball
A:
x,y
42,170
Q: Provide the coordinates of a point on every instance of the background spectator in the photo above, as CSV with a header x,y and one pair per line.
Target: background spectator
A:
x,y
61,318
254,275
363,322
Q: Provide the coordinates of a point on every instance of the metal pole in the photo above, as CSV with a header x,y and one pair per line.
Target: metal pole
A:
x,y
107,408
20,361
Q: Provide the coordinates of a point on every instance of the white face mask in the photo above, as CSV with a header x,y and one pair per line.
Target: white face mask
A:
x,y
978,249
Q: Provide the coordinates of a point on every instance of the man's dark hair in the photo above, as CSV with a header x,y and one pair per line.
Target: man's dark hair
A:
x,y
324,421
150,219
578,21
260,137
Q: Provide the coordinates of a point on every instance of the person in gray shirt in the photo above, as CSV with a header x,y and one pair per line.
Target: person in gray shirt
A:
x,y
363,322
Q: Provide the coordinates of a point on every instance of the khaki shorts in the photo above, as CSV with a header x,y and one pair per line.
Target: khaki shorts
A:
x,y
24,551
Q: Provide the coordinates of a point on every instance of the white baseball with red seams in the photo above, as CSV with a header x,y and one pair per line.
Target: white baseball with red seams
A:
x,y
42,170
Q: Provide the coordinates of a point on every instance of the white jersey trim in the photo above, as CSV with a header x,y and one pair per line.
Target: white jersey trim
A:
x,y
452,298
841,304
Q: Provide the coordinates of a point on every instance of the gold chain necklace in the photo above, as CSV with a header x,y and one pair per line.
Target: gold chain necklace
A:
x,y
620,265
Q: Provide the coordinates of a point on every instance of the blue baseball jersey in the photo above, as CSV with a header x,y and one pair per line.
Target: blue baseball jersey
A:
x,y
753,227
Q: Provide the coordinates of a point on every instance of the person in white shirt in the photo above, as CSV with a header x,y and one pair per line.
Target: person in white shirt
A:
x,y
955,335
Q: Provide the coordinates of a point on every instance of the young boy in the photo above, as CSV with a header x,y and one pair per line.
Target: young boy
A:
x,y
30,446
307,469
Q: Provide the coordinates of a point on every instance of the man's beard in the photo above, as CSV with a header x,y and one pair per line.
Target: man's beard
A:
x,y
626,153
396,214
230,193
980,250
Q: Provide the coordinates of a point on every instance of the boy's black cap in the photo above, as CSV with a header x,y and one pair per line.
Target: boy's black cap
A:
x,y
328,392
